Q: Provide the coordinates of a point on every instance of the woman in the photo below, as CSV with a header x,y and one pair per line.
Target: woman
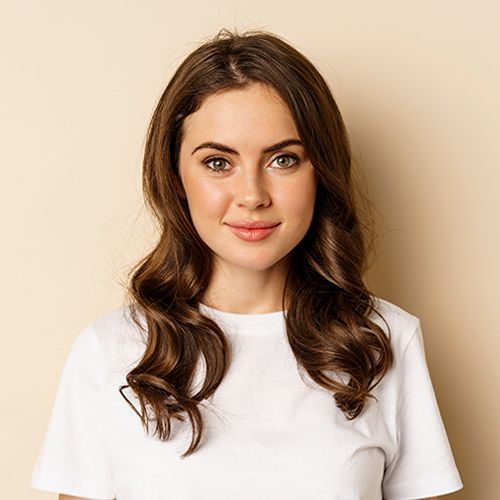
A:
x,y
251,361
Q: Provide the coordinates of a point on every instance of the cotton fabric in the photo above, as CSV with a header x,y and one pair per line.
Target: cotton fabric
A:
x,y
270,431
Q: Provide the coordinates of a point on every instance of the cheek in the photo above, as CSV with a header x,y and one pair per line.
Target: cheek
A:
x,y
298,198
204,198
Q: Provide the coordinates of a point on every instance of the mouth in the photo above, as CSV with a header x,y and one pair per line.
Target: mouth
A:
x,y
253,224
253,233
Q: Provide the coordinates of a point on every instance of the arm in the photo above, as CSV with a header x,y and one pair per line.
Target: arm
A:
x,y
74,457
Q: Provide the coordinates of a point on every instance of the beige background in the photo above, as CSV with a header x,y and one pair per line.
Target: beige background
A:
x,y
418,85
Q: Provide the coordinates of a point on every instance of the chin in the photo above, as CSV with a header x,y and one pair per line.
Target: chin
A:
x,y
254,264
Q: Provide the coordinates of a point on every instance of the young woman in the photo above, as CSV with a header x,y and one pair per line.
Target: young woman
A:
x,y
251,361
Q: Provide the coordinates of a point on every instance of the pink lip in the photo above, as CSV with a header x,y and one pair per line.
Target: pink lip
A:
x,y
252,224
255,234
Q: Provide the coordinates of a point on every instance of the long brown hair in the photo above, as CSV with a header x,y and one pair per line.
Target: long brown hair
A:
x,y
328,321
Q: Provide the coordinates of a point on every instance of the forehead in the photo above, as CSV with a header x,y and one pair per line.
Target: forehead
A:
x,y
256,109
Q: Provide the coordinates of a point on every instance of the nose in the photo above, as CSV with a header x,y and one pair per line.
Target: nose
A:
x,y
251,190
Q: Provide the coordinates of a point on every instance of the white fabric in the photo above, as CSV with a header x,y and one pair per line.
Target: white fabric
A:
x,y
271,433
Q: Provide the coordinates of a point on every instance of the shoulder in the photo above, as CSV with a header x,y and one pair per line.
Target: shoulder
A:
x,y
112,338
403,325
117,325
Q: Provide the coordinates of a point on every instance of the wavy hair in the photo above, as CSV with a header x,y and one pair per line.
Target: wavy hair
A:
x,y
329,322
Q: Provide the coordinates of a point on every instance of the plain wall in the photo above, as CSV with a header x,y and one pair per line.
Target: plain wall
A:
x,y
418,85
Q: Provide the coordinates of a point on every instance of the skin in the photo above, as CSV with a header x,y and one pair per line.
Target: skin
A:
x,y
248,276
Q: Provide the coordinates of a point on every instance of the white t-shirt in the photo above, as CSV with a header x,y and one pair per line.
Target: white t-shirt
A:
x,y
271,433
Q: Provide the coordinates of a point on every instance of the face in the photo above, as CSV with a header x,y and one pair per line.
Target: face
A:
x,y
233,168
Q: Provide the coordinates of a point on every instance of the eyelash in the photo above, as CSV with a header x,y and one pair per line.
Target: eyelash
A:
x,y
218,171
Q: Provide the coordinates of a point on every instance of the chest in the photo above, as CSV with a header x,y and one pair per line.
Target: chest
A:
x,y
268,435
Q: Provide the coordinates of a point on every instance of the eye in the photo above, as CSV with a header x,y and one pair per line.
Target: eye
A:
x,y
287,157
219,163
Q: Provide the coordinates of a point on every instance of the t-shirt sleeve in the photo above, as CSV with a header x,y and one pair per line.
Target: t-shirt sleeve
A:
x,y
423,466
73,459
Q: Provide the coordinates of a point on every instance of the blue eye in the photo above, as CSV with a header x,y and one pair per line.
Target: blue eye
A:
x,y
221,161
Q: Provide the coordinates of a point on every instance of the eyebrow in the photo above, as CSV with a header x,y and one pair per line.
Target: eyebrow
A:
x,y
228,150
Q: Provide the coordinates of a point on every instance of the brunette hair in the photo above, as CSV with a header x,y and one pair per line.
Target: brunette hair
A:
x,y
329,321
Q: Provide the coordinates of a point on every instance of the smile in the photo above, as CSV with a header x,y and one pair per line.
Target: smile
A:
x,y
255,234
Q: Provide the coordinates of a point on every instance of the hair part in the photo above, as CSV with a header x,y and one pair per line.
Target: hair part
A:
x,y
330,324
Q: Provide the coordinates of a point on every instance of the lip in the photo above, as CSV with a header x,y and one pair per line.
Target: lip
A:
x,y
252,224
252,234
